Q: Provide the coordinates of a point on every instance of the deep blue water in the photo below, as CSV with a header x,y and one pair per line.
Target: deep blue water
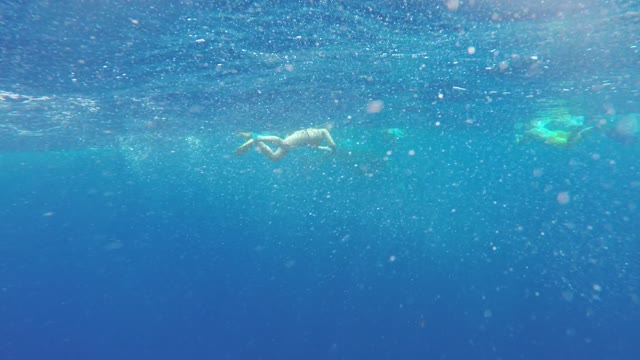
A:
x,y
129,230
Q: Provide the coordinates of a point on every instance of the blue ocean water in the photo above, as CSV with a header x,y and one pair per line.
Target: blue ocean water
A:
x,y
442,228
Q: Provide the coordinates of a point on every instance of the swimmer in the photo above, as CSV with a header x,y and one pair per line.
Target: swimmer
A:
x,y
311,137
559,138
562,131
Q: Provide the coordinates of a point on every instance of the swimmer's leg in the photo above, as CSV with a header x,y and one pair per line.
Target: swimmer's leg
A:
x,y
273,156
578,134
585,131
244,148
254,138
270,139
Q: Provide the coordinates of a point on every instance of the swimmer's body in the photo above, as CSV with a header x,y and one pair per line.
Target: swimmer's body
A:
x,y
564,131
312,137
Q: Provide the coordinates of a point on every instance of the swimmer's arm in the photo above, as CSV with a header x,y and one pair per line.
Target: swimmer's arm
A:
x,y
329,139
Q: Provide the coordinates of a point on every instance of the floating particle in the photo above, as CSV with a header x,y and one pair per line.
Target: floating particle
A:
x,y
200,41
453,5
563,197
567,295
375,106
538,172
392,258
114,245
471,50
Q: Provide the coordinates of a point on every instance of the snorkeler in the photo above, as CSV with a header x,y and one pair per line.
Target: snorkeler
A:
x,y
556,127
559,137
311,137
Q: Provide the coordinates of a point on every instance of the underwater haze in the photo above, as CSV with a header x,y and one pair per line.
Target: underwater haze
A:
x,y
482,202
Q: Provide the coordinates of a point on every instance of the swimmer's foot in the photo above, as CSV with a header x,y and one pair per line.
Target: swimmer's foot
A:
x,y
246,135
244,148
